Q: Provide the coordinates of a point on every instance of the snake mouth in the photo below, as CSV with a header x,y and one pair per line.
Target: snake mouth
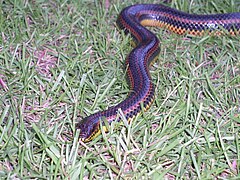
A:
x,y
82,137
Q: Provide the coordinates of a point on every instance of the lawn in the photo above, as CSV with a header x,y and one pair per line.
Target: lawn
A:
x,y
61,61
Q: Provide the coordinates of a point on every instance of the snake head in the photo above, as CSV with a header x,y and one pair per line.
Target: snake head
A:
x,y
89,128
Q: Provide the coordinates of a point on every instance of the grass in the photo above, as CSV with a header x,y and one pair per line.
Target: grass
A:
x,y
63,60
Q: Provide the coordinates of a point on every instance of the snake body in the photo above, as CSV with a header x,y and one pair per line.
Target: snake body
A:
x,y
133,20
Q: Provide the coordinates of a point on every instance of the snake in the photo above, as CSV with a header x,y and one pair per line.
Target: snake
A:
x,y
133,20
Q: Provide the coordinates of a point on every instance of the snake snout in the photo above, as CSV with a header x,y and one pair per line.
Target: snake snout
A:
x,y
84,130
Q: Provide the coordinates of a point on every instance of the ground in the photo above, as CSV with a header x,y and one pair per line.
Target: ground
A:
x,y
63,60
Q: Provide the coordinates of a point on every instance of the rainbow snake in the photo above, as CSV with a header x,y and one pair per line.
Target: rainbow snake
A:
x,y
133,20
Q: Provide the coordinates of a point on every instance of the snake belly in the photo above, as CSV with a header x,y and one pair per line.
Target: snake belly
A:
x,y
133,20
